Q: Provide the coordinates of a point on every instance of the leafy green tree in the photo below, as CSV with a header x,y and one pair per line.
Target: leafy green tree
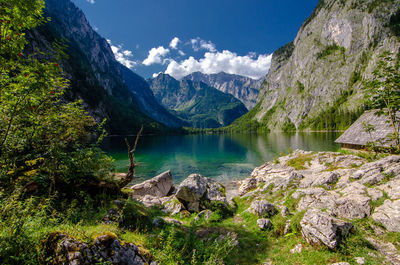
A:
x,y
43,139
383,92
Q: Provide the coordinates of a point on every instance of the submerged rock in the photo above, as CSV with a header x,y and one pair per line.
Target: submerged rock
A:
x,y
319,227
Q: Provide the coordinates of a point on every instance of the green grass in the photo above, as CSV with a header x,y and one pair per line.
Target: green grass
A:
x,y
299,162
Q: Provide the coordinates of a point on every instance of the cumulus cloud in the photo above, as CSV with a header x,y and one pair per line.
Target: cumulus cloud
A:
x,y
198,44
225,61
181,53
91,1
123,56
174,43
156,56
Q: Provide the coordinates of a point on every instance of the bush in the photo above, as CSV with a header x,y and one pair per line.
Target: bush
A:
x,y
135,216
175,246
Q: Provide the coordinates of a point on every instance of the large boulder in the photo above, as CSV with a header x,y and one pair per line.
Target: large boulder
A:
x,y
196,192
388,214
319,227
158,186
61,249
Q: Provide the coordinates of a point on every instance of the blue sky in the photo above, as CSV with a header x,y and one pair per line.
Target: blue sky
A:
x,y
182,36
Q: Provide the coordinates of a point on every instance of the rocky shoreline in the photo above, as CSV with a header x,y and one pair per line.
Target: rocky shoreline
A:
x,y
324,197
332,190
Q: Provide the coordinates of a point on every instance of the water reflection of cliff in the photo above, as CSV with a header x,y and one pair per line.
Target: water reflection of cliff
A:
x,y
218,156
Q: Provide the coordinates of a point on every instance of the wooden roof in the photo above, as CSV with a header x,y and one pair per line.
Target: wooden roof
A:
x,y
356,134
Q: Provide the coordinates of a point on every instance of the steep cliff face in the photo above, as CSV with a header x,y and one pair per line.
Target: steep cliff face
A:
x,y
107,89
200,105
243,88
315,82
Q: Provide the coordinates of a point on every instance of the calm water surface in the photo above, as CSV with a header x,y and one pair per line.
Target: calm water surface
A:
x,y
221,157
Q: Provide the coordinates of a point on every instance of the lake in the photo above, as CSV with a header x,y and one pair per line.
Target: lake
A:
x,y
221,157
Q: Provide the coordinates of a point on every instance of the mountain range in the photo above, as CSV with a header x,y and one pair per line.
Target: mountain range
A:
x,y
197,103
315,82
243,88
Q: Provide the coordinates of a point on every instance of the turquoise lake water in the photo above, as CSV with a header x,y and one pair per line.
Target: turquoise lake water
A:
x,y
221,157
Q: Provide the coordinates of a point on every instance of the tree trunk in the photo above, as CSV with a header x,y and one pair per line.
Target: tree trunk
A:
x,y
131,170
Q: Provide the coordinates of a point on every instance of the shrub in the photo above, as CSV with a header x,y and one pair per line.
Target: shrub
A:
x,y
134,216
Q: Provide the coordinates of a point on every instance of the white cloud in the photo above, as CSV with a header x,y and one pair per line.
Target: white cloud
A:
x,y
198,44
155,56
181,53
226,61
156,74
123,56
174,43
91,1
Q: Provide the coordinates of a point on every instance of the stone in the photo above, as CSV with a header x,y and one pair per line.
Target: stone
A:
x,y
322,179
106,248
353,206
297,249
159,186
392,188
315,198
388,215
276,176
285,212
264,224
247,185
288,226
173,206
172,221
262,208
150,201
319,227
375,194
196,188
111,217
372,173
206,214
158,221
360,260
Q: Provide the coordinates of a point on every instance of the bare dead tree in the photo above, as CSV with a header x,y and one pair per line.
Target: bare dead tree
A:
x,y
131,170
